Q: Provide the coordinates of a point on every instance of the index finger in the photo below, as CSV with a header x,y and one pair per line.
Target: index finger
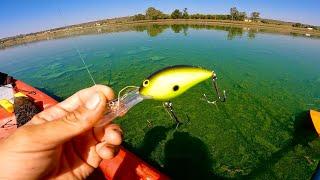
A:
x,y
80,97
73,102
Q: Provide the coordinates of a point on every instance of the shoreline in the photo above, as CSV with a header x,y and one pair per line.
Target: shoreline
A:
x,y
126,24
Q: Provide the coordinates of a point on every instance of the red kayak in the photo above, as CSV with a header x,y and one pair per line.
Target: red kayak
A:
x,y
124,166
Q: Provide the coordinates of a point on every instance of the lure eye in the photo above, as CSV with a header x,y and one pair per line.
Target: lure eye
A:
x,y
175,88
145,83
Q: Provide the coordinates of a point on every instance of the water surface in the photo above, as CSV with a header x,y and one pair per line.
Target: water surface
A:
x,y
271,80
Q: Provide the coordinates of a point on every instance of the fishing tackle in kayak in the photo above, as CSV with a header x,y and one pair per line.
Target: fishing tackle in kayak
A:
x,y
162,85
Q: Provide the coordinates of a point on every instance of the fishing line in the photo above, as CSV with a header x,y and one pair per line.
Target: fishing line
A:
x,y
78,52
85,65
110,73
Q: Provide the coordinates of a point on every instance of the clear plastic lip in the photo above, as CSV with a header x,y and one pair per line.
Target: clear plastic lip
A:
x,y
121,106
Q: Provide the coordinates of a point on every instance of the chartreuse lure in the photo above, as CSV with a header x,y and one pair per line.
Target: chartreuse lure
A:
x,y
162,85
171,82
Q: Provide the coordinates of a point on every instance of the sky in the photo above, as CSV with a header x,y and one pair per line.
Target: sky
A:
x,y
26,16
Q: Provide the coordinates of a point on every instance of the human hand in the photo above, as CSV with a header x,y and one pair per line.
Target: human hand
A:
x,y
60,142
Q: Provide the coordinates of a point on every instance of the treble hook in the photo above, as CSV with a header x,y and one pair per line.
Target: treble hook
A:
x,y
169,108
215,86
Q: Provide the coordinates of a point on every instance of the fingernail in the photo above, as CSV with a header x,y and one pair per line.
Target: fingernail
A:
x,y
93,101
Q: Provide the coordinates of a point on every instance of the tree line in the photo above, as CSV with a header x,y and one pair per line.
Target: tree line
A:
x,y
154,14
234,14
300,25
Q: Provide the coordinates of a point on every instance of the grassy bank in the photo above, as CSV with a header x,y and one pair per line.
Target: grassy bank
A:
x,y
126,24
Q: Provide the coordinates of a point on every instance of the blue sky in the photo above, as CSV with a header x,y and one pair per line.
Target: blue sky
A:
x,y
25,16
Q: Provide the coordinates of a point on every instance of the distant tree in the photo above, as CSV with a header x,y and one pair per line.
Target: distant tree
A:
x,y
316,27
139,17
234,13
195,16
150,12
153,13
255,16
222,17
166,16
176,14
242,16
297,25
185,14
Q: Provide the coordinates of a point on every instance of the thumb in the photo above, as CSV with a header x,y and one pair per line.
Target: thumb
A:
x,y
74,122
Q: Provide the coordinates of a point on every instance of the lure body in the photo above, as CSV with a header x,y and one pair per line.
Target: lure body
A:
x,y
172,81
162,85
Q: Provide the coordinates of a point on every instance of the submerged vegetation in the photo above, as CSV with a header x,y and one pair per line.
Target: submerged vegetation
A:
x,y
261,132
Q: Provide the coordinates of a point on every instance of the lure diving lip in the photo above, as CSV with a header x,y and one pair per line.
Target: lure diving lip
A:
x,y
162,85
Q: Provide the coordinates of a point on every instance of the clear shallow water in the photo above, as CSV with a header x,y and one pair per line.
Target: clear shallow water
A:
x,y
271,81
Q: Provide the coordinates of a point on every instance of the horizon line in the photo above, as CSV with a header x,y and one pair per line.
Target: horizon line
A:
x,y
128,16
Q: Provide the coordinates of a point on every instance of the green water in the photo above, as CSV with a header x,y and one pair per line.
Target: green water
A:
x,y
260,132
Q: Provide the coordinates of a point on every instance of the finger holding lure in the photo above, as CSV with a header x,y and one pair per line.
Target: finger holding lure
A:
x,y
162,85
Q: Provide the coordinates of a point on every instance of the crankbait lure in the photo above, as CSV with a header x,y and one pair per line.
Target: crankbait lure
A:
x,y
162,85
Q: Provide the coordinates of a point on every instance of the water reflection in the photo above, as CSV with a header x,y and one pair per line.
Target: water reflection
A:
x,y
177,28
154,30
252,33
234,32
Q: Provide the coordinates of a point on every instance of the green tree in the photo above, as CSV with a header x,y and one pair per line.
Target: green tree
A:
x,y
185,14
234,13
139,17
153,13
297,25
242,16
176,14
195,16
255,16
